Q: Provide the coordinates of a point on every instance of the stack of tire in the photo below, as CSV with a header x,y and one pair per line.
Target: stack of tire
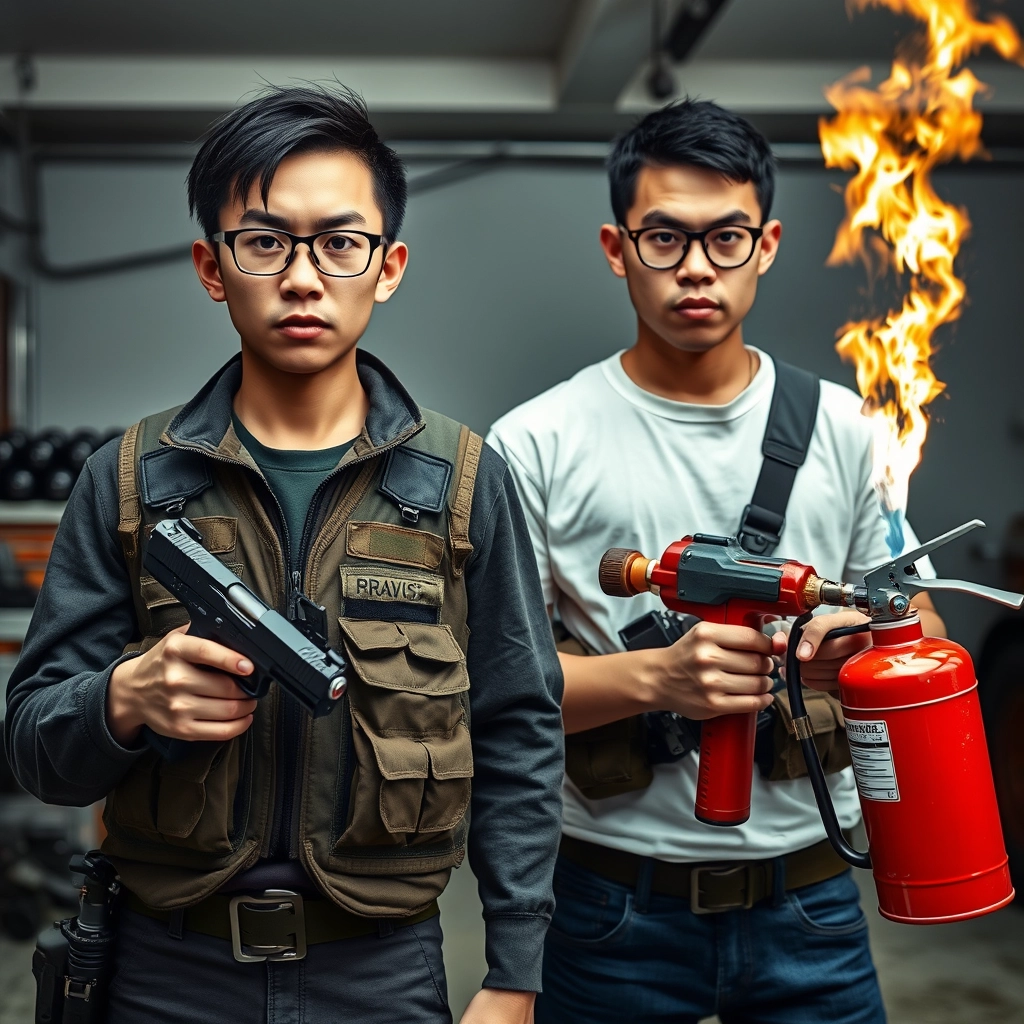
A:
x,y
45,465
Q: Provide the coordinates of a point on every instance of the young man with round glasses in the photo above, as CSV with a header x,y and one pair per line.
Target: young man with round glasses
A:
x,y
660,918
287,868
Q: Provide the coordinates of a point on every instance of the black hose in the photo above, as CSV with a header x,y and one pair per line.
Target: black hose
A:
x,y
822,797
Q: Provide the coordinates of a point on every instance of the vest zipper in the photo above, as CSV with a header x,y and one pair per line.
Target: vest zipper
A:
x,y
286,823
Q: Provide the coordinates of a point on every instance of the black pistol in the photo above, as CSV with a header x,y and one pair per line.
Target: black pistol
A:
x,y
224,609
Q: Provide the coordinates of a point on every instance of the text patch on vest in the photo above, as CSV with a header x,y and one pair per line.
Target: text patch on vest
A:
x,y
385,593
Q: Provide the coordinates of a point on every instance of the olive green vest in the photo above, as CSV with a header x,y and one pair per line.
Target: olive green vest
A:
x,y
384,779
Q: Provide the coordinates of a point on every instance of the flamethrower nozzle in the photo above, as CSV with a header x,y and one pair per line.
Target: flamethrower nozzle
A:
x,y
624,573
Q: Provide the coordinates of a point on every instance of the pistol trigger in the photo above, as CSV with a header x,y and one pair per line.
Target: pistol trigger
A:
x,y
255,685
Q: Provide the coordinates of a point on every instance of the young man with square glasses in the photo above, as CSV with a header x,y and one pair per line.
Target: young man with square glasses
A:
x,y
312,473
654,443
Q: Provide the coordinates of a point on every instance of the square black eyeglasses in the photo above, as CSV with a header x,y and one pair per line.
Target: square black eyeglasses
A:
x,y
727,246
265,252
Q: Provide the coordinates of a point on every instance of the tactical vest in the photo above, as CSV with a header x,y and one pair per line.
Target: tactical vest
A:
x,y
383,781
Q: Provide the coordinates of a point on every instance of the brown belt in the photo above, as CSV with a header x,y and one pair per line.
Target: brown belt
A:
x,y
710,888
275,924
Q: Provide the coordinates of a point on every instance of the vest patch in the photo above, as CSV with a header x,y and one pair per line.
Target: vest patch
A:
x,y
395,596
384,542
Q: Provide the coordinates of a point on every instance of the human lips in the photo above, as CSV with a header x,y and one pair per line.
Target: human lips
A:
x,y
699,308
302,328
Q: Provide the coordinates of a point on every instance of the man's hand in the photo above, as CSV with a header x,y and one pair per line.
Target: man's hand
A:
x,y
820,663
716,670
182,688
500,1006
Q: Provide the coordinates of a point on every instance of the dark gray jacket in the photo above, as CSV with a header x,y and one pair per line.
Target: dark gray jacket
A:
x,y
62,751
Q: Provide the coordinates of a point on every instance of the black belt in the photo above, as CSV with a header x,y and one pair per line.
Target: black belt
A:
x,y
711,888
275,924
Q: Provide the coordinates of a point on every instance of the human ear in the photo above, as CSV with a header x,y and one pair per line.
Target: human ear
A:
x,y
204,259
771,234
611,243
391,271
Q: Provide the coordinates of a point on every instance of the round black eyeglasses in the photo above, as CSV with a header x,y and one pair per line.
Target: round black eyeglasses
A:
x,y
268,251
727,246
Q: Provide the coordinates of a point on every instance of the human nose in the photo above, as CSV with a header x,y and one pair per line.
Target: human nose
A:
x,y
695,265
302,277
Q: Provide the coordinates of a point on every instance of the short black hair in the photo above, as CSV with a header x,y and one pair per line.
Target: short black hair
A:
x,y
247,145
695,132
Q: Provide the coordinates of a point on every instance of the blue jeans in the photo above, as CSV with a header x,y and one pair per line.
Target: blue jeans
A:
x,y
615,955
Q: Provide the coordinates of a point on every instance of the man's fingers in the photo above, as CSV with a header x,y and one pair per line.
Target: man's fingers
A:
x,y
734,638
815,630
209,731
743,684
204,682
208,710
742,663
734,704
198,651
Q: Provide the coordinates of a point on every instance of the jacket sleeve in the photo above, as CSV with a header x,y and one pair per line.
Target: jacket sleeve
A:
x,y
56,731
518,746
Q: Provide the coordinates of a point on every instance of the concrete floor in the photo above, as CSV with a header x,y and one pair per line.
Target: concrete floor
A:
x,y
967,973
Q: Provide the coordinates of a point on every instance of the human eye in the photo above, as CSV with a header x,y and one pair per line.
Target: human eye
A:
x,y
342,243
665,237
261,242
729,236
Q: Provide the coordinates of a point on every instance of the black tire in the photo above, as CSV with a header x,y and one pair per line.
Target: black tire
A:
x,y
1002,704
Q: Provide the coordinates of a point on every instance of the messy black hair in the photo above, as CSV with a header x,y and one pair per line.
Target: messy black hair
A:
x,y
695,132
246,146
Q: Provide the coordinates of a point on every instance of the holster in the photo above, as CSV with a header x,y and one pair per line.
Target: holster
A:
x,y
828,726
610,759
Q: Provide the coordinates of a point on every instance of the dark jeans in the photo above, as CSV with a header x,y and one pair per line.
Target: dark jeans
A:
x,y
393,979
615,955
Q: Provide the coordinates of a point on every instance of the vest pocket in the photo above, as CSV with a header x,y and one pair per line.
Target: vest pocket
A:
x,y
189,803
411,754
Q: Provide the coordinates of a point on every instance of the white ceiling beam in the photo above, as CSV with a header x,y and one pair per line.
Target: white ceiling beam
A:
x,y
586,18
219,83
605,43
797,87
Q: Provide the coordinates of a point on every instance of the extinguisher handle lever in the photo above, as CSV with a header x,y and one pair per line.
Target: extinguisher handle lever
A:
x,y
890,585
1006,597
815,773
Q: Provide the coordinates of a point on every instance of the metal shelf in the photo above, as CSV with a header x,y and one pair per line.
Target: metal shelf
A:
x,y
31,511
14,623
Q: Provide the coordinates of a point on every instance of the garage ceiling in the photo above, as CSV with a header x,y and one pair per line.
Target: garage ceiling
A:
x,y
112,70
378,28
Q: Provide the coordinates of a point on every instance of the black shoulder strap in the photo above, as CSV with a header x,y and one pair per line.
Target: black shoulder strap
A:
x,y
786,440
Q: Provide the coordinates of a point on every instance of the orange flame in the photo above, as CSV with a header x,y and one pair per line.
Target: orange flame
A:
x,y
922,115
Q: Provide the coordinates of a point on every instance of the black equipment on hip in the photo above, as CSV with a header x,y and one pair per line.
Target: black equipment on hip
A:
x,y
787,436
73,960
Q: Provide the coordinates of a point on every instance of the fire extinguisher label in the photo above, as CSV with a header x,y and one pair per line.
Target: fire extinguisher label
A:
x,y
872,760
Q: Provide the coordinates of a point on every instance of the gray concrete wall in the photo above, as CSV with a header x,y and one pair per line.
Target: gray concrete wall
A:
x,y
507,293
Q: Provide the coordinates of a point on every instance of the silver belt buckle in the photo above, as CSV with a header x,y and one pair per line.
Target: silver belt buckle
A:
x,y
695,905
272,899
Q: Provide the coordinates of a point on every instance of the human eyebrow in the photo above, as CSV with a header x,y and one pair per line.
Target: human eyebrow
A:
x,y
272,220
658,217
265,219
340,220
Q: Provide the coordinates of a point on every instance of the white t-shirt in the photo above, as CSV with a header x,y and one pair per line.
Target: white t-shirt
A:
x,y
601,463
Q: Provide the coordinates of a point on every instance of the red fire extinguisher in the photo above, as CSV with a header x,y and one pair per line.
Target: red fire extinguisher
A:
x,y
913,721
